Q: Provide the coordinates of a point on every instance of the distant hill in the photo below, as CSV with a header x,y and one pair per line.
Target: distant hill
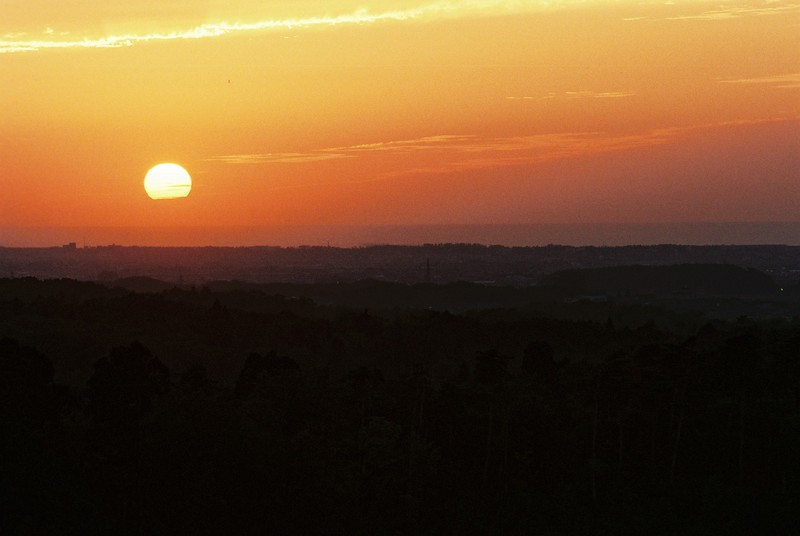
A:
x,y
714,279
432,263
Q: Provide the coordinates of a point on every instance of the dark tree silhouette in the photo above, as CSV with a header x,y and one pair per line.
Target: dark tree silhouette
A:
x,y
400,421
269,376
123,386
538,360
490,367
26,385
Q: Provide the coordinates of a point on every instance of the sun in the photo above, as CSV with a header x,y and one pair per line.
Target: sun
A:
x,y
167,181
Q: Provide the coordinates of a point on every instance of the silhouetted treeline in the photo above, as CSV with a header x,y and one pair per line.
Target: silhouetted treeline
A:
x,y
200,411
716,279
439,263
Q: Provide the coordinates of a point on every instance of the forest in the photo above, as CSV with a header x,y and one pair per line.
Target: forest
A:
x,y
596,403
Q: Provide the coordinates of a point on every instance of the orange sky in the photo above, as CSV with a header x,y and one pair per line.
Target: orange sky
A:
x,y
409,112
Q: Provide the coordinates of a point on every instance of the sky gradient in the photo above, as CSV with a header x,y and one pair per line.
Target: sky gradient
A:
x,y
392,113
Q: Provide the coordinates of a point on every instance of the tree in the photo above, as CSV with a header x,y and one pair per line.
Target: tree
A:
x,y
270,376
490,367
26,385
123,386
538,360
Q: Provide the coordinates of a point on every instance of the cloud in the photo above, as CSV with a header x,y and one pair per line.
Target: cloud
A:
x,y
727,12
435,10
579,95
781,81
467,151
734,12
334,153
478,153
425,143
453,153
275,158
447,154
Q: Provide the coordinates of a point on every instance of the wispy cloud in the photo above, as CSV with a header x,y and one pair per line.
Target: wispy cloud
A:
x,y
445,154
276,158
734,12
571,95
483,153
461,152
781,81
12,42
435,10
726,12
427,143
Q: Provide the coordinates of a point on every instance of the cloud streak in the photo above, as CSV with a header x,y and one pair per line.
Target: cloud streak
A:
x,y
782,81
16,42
436,10
276,158
468,151
573,95
427,143
458,153
728,12
734,12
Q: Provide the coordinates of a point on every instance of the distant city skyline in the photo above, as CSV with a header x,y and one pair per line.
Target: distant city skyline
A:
x,y
417,112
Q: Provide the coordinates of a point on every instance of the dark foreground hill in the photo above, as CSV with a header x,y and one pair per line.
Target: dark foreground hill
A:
x,y
237,409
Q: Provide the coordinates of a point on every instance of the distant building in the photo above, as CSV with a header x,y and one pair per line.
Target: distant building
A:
x,y
71,245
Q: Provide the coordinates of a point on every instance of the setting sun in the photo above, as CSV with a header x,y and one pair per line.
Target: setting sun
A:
x,y
167,181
